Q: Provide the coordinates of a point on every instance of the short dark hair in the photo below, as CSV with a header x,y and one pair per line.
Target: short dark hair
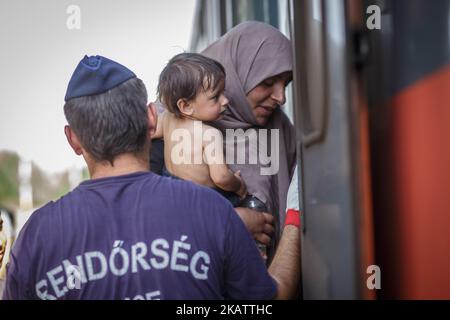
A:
x,y
111,123
185,75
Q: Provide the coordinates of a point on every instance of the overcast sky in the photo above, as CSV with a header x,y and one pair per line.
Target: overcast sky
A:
x,y
38,54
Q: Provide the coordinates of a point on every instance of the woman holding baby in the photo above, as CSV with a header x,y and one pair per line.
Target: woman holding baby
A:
x,y
257,59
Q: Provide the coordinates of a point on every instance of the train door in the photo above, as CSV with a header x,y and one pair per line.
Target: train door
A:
x,y
337,234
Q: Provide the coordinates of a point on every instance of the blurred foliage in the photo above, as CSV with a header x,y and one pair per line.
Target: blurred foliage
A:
x,y
9,179
47,187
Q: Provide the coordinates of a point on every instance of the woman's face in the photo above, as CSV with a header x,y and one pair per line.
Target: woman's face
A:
x,y
267,96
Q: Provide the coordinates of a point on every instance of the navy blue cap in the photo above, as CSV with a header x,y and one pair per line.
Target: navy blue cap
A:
x,y
94,75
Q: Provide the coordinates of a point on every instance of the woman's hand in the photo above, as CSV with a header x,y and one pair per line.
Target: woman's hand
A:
x,y
242,192
259,224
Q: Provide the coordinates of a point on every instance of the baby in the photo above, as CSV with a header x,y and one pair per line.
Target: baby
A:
x,y
191,88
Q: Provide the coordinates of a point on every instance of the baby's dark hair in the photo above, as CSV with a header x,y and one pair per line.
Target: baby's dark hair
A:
x,y
185,75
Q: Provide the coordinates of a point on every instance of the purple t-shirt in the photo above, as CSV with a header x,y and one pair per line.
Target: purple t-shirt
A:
x,y
137,236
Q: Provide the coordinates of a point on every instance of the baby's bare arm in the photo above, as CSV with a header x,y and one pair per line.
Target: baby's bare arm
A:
x,y
219,172
224,178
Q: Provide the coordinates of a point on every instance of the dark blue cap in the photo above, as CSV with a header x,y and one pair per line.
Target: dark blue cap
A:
x,y
95,75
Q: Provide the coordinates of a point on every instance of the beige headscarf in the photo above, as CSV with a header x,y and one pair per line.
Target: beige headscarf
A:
x,y
250,53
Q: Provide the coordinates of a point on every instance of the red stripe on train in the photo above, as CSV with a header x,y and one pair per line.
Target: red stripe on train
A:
x,y
421,185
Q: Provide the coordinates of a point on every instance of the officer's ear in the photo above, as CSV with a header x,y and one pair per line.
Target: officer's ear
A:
x,y
73,140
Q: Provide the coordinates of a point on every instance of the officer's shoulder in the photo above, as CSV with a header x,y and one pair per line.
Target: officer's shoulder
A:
x,y
39,223
43,212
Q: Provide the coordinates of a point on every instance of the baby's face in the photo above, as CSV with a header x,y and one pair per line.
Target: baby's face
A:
x,y
209,105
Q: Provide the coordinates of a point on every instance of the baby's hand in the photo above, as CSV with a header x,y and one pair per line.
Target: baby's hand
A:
x,y
242,192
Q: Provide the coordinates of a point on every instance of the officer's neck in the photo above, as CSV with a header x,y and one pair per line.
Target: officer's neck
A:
x,y
125,163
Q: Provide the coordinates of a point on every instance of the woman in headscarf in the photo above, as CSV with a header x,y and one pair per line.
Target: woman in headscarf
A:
x,y
258,62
